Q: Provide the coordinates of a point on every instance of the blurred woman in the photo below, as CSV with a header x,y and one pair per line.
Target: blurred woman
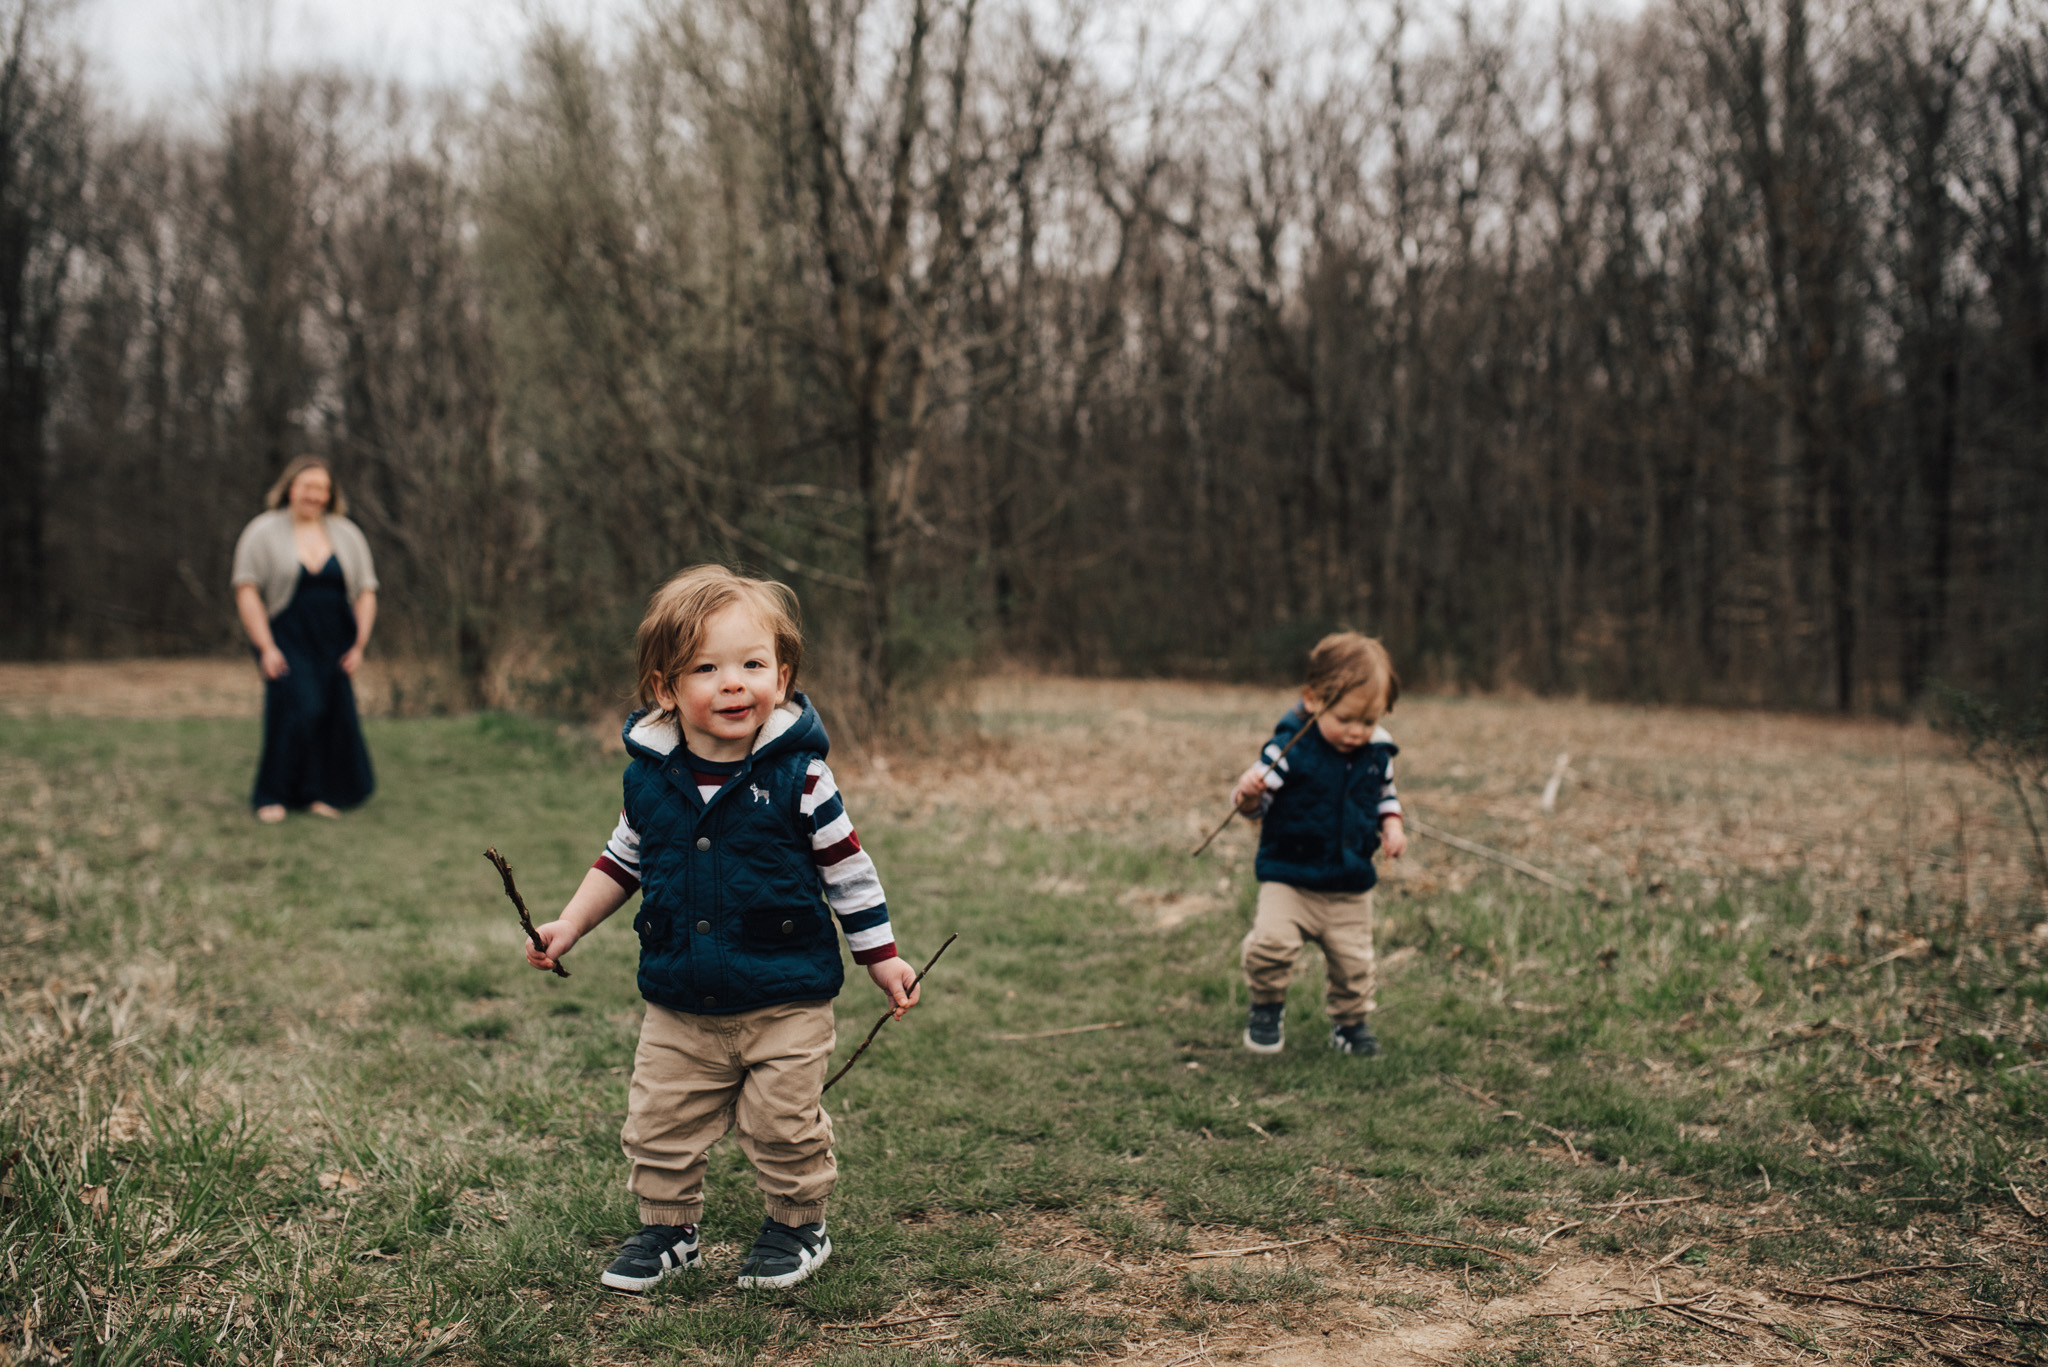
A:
x,y
307,594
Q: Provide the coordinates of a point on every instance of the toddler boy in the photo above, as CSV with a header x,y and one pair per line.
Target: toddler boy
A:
x,y
1327,807
732,829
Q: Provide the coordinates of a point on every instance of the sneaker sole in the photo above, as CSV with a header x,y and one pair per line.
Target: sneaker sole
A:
x,y
619,1281
811,1263
1258,1048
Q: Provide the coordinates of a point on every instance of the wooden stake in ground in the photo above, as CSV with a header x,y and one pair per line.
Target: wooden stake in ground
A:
x,y
1196,853
887,1016
504,867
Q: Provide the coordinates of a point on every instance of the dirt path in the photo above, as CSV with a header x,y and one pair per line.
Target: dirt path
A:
x,y
1349,1302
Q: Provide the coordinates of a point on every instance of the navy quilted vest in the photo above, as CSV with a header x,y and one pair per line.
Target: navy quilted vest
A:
x,y
732,916
1324,825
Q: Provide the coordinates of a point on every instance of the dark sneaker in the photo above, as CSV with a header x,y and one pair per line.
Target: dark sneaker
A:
x,y
784,1255
653,1253
1262,1033
1354,1039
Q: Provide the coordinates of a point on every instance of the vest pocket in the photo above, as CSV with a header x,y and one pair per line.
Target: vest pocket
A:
x,y
772,927
1301,849
652,928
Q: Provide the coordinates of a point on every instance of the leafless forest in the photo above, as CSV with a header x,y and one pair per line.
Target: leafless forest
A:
x,y
1701,355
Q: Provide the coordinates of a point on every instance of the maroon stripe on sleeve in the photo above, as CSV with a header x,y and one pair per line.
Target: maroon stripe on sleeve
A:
x,y
832,854
810,784
607,866
875,955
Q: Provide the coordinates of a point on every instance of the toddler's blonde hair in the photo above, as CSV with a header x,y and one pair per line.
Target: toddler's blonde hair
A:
x,y
1347,663
673,626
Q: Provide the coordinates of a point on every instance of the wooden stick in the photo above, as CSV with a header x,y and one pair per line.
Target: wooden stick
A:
x,y
1631,1205
1459,842
1577,1158
1418,1243
1257,1248
1313,718
892,1324
504,867
2009,1323
1557,773
1893,1272
1673,1256
1055,1034
1610,1309
887,1016
1467,1088
1340,1238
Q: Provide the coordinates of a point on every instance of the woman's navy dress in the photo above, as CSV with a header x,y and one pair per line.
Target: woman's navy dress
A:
x,y
313,747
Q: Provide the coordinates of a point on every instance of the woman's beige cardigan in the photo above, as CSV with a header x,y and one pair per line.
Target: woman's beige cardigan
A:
x,y
267,556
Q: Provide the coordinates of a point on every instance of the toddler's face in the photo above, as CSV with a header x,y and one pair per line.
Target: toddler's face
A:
x,y
724,693
1349,724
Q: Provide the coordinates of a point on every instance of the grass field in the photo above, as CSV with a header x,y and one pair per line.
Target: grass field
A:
x,y
289,1095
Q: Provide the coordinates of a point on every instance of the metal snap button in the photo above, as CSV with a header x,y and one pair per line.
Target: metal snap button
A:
x,y
711,1001
788,926
703,927
703,842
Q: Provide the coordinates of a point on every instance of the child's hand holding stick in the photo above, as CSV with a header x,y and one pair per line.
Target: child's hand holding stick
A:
x,y
895,1012
1248,786
504,868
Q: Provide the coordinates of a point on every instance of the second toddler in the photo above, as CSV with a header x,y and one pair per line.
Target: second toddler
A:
x,y
1328,806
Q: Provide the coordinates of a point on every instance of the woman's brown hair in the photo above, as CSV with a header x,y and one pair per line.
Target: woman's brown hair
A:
x,y
281,492
673,626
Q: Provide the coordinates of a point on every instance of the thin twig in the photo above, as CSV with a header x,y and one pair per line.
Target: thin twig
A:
x,y
1673,1256
1055,1034
1702,1323
1419,1243
2013,1323
1521,866
1610,1309
1574,1224
1570,1147
1467,1088
891,1324
1313,717
887,1016
1635,1205
1893,1272
1257,1248
504,867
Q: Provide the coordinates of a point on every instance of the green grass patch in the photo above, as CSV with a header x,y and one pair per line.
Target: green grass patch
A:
x,y
293,1088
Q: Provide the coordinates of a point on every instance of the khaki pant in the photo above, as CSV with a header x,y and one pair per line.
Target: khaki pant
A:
x,y
1341,922
695,1077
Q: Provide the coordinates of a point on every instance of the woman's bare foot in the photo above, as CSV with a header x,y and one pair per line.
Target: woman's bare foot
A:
x,y
270,815
322,809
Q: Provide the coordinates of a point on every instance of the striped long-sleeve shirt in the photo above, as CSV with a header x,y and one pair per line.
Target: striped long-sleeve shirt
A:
x,y
853,889
1276,775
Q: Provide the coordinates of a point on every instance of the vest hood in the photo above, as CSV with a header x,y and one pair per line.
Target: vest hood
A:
x,y
794,726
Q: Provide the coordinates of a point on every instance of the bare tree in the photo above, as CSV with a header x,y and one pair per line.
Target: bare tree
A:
x,y
44,164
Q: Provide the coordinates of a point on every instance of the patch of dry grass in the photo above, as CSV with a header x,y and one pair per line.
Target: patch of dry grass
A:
x,y
285,1095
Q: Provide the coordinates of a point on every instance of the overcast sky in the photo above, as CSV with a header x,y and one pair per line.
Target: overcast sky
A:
x,y
159,54
162,56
